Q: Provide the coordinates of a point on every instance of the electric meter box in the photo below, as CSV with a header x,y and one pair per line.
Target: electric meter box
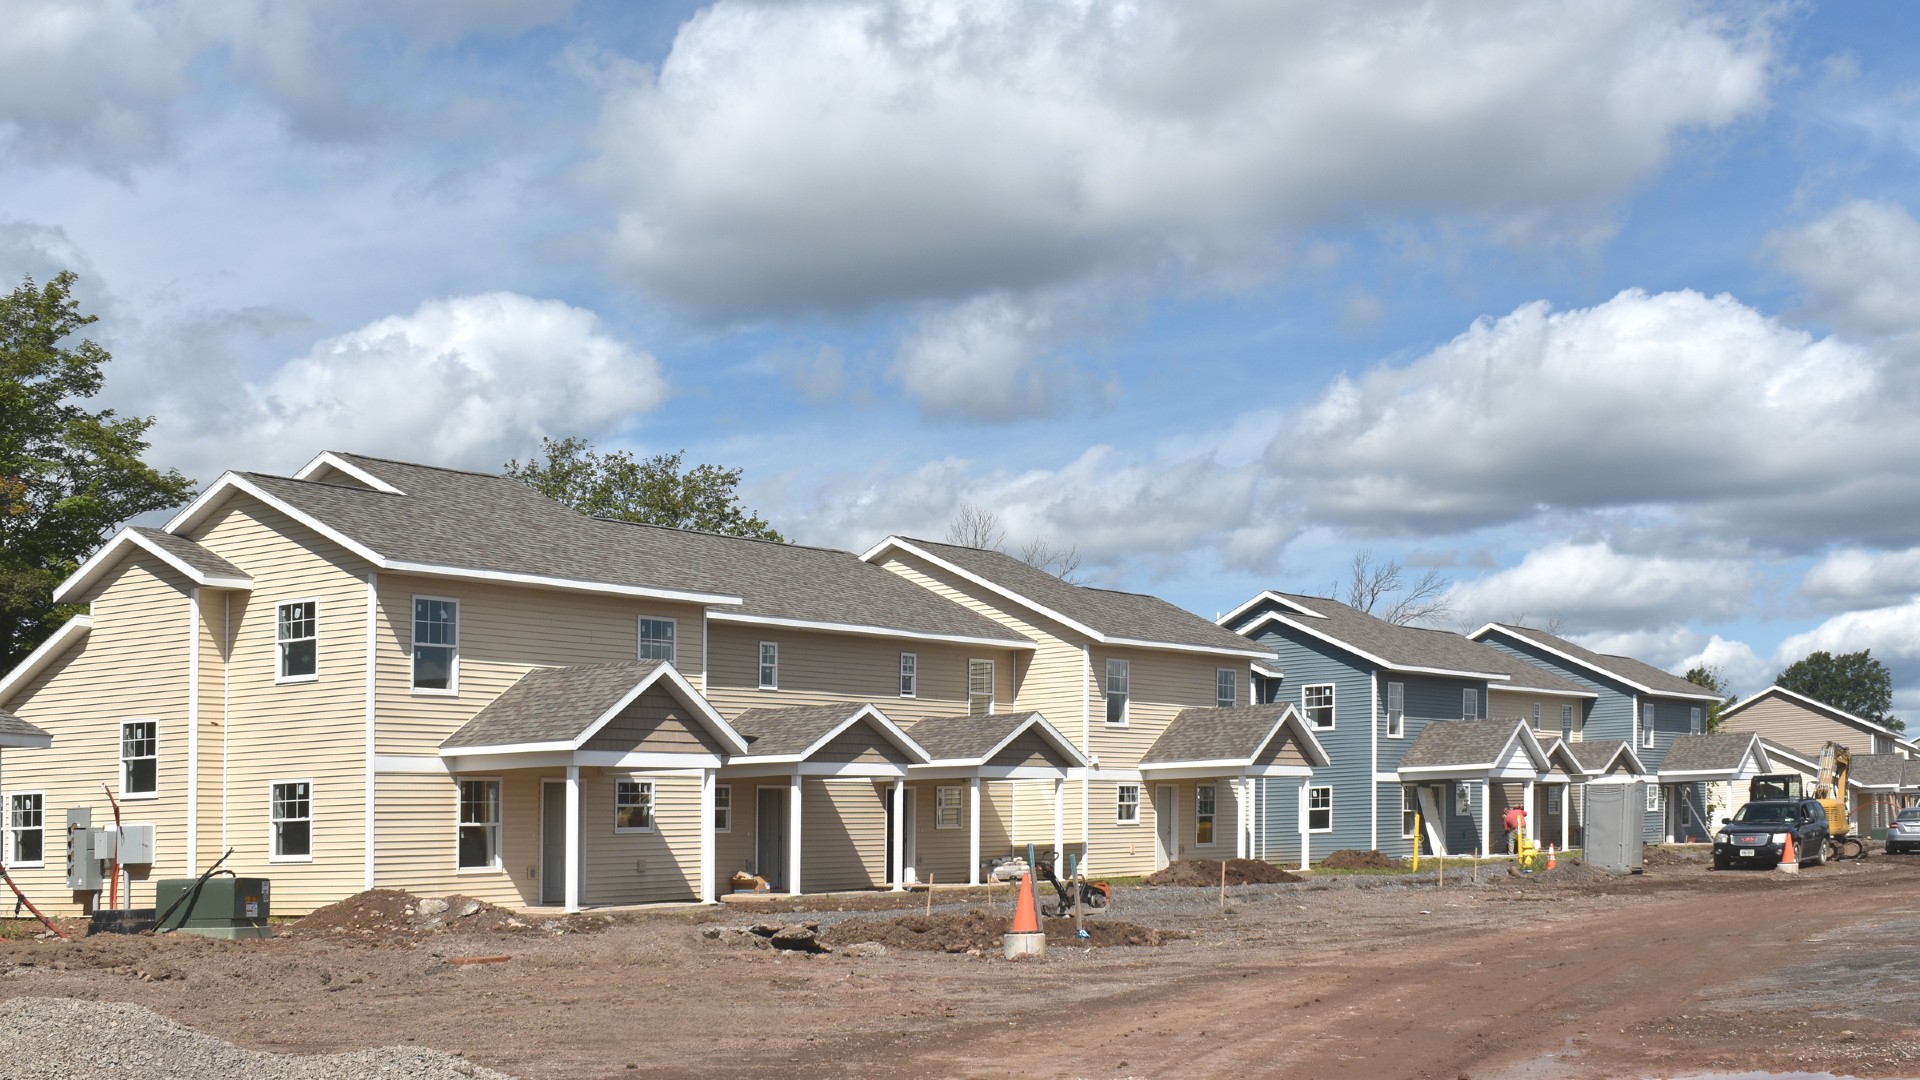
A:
x,y
133,843
225,907
83,866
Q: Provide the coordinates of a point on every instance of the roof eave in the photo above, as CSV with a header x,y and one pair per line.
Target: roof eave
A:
x,y
57,642
748,619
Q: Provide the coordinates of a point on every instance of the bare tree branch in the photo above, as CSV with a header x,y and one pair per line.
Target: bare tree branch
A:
x,y
1370,583
1063,563
1423,602
977,527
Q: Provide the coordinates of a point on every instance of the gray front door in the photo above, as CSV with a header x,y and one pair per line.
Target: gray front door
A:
x,y
553,843
771,837
1166,826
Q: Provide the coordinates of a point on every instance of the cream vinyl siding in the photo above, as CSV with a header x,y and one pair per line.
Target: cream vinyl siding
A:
x,y
820,668
132,666
1161,686
1113,848
655,722
504,632
1518,705
943,852
414,841
844,828
641,867
736,851
1797,727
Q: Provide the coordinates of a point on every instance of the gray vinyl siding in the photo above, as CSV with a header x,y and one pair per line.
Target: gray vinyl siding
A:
x,y
1306,662
1428,698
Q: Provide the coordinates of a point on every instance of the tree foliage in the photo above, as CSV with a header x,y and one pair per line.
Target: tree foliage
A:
x,y
1370,584
1851,682
1713,681
68,476
978,527
651,491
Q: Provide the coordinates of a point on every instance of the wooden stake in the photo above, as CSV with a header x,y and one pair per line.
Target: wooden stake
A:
x,y
929,894
1223,886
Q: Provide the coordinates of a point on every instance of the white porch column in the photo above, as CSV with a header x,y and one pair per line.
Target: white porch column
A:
x,y
1305,861
1060,824
1566,813
1240,817
574,861
707,863
1533,827
898,856
973,830
1486,816
793,835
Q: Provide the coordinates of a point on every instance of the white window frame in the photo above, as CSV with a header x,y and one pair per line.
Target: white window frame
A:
x,y
672,639
14,830
1207,811
1697,720
909,674
1310,810
1648,715
769,665
1124,669
1462,799
992,688
124,760
273,832
1409,809
941,806
1656,798
1121,804
723,808
1396,710
1566,721
1536,716
279,654
1333,699
497,826
452,688
1226,688
1555,797
1469,704
643,786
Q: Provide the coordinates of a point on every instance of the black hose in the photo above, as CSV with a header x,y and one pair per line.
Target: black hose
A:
x,y
160,924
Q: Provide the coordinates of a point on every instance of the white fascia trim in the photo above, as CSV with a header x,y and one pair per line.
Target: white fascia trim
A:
x,y
415,764
1590,666
1265,596
647,759
230,482
72,629
1838,714
1174,646
1290,716
1678,775
12,741
1270,672
543,581
111,551
1519,688
1528,742
896,542
868,631
1385,665
1160,768
331,460
1438,772
894,733
691,698
1047,731
565,747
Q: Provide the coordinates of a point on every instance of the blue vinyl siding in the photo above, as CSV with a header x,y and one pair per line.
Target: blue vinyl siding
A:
x,y
1307,661
1428,698
1610,716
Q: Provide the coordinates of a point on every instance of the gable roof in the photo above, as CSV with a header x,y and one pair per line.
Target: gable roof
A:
x,y
1470,744
1384,644
974,740
17,732
561,708
1821,707
1235,735
1780,753
1877,772
797,733
1596,756
1726,754
1107,616
72,632
1636,674
195,563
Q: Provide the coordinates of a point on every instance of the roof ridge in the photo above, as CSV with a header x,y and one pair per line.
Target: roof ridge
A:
x,y
1049,573
358,488
721,535
422,465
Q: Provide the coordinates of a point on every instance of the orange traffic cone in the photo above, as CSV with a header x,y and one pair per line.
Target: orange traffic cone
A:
x,y
1551,861
1789,862
1025,917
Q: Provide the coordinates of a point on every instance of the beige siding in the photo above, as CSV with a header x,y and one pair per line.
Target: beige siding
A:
x,y
1224,822
862,743
1030,749
1518,705
1285,749
415,842
818,668
844,826
943,852
655,722
1114,848
641,867
1798,728
734,850
1160,686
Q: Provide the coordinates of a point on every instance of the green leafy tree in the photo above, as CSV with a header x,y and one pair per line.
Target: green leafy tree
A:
x,y
654,491
1713,681
1852,682
68,476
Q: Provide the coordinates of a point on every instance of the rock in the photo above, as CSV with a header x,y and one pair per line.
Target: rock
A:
x,y
429,908
733,935
467,908
864,949
798,938
766,929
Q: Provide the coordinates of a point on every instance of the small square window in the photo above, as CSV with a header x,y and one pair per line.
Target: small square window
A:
x,y
909,674
1126,810
1317,702
947,809
633,806
296,635
656,639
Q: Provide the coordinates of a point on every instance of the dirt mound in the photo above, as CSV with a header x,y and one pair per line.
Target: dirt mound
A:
x,y
1670,856
980,930
1349,859
1207,872
395,917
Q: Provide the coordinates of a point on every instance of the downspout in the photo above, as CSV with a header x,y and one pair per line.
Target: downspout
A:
x,y
226,714
373,606
1373,761
193,731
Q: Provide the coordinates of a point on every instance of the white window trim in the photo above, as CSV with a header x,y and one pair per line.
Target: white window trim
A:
x,y
1469,712
653,805
1397,730
499,828
453,666
993,684
959,802
1697,720
312,815
11,861
1566,721
1656,799
1409,809
1648,715
280,679
1333,705
139,796
1536,717
1213,817
1462,800
1556,798
1106,694
909,677
1328,788
717,789
1233,677
1118,802
639,630
761,666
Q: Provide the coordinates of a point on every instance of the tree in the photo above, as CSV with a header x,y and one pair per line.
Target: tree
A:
x,y
978,527
654,491
68,476
1850,682
1712,680
1370,583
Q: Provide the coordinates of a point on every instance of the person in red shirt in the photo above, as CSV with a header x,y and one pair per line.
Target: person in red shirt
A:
x,y
1514,820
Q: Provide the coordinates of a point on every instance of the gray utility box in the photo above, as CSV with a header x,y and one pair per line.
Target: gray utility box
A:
x,y
225,907
83,866
131,844
1616,818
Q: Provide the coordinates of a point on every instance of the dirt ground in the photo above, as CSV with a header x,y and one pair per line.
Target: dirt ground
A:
x,y
1577,973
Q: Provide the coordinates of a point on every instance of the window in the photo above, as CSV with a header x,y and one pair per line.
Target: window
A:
x,y
436,644
1536,716
632,806
1317,703
1462,801
946,808
1117,680
656,639
723,808
979,687
1396,710
1553,799
290,814
1226,688
769,665
26,829
1469,704
1409,809
140,758
1126,804
295,631
1203,795
1566,721
1646,727
1653,797
909,675
1319,809
479,840
1693,722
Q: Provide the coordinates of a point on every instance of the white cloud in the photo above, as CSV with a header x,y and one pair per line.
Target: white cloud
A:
x,y
1861,263
88,80
990,359
1590,587
1743,671
1856,578
1892,633
842,154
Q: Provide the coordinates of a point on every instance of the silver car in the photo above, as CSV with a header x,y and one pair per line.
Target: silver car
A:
x,y
1904,833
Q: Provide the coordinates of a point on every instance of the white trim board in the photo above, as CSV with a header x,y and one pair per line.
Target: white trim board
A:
x,y
73,629
747,619
1516,632
111,552
1383,664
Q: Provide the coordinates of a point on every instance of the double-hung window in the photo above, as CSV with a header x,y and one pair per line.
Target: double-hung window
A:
x,y
1317,702
1118,677
1646,727
1693,721
1536,716
656,639
26,829
290,817
632,806
1203,809
769,665
1396,710
723,808
1566,721
1320,809
139,758
436,645
1409,809
296,637
1653,797
909,675
1553,798
1469,704
947,812
1126,804
479,839
1226,688
979,687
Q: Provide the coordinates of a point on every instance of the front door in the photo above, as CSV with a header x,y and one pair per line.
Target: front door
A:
x,y
1166,826
771,836
553,842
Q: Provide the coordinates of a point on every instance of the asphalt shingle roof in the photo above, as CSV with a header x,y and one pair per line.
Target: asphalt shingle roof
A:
x,y
13,725
1418,646
189,552
1596,754
1109,612
551,704
1214,734
965,738
1724,752
1910,773
1877,770
1626,667
1451,743
786,732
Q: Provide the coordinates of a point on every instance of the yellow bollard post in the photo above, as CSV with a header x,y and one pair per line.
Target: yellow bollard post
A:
x,y
1416,843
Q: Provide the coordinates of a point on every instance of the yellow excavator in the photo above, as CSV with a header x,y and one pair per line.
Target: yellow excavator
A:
x,y
1830,790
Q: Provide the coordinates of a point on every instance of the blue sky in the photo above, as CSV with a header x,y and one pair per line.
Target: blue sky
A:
x,y
1610,313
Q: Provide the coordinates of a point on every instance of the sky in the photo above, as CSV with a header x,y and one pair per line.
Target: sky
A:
x,y
1607,313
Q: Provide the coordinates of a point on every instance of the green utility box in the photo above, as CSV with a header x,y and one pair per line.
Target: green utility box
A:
x,y
226,907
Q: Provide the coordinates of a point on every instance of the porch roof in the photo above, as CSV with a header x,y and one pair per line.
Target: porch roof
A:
x,y
1598,756
975,740
1880,773
561,708
1473,748
17,732
1725,756
797,733
1231,737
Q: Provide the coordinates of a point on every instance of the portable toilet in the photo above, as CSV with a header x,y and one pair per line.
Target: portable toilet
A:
x,y
1615,816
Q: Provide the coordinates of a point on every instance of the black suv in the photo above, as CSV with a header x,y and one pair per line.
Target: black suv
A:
x,y
1757,833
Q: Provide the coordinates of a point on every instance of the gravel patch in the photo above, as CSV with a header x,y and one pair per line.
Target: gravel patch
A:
x,y
64,1039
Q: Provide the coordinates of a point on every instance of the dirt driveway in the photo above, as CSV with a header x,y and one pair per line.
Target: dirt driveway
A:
x,y
1575,974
